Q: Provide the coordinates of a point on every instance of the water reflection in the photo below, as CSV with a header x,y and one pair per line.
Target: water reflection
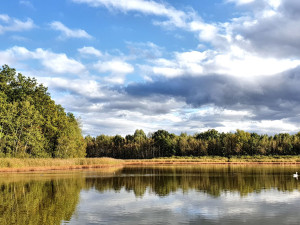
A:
x,y
213,180
38,201
153,195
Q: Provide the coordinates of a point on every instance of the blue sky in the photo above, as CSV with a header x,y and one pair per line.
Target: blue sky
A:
x,y
182,66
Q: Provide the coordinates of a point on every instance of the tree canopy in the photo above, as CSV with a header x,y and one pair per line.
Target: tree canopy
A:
x,y
209,143
31,124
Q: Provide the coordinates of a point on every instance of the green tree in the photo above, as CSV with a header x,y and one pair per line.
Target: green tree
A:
x,y
31,124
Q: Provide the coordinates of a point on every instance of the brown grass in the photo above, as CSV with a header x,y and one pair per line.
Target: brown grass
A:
x,y
21,165
27,164
219,160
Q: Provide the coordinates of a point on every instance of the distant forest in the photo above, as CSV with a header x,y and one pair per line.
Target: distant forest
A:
x,y
32,125
210,143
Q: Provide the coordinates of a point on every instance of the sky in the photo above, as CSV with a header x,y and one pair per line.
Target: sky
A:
x,y
181,66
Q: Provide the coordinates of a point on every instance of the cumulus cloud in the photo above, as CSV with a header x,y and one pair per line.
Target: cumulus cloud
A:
x,y
270,29
113,112
116,68
55,62
90,51
85,88
266,98
9,24
59,63
67,32
235,62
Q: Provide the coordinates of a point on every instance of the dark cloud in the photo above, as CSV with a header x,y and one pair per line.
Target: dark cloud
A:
x,y
273,97
291,8
275,35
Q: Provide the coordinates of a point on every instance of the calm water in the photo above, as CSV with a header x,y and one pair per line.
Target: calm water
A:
x,y
217,194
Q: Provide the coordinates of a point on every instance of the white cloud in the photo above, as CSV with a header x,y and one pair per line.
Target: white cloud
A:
x,y
183,63
238,62
241,2
114,66
189,21
191,61
168,72
59,63
117,69
4,18
235,61
55,62
12,24
84,87
69,33
176,17
207,32
27,4
90,51
113,119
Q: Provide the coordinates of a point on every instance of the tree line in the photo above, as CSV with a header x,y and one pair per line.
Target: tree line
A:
x,y
209,143
31,124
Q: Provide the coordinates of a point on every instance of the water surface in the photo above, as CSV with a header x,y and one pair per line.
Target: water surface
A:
x,y
207,194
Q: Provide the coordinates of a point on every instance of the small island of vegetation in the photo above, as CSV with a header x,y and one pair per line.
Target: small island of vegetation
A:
x,y
33,126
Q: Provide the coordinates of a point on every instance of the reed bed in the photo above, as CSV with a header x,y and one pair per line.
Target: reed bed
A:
x,y
219,159
27,164
176,159
267,159
43,164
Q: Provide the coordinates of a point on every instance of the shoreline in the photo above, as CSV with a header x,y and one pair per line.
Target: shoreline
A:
x,y
54,168
33,165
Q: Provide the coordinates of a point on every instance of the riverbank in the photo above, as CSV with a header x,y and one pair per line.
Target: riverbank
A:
x,y
223,160
43,164
38,164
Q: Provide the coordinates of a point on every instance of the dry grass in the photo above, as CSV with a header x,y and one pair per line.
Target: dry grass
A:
x,y
27,164
218,160
168,160
267,159
15,164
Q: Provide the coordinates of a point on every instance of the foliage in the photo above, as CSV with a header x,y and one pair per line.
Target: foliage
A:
x,y
31,124
209,143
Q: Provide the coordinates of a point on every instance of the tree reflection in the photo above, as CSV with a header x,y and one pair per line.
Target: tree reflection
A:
x,y
212,180
39,201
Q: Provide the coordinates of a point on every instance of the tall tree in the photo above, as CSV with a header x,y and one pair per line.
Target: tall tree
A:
x,y
31,124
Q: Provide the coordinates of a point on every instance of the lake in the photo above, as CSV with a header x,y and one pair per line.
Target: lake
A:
x,y
201,194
